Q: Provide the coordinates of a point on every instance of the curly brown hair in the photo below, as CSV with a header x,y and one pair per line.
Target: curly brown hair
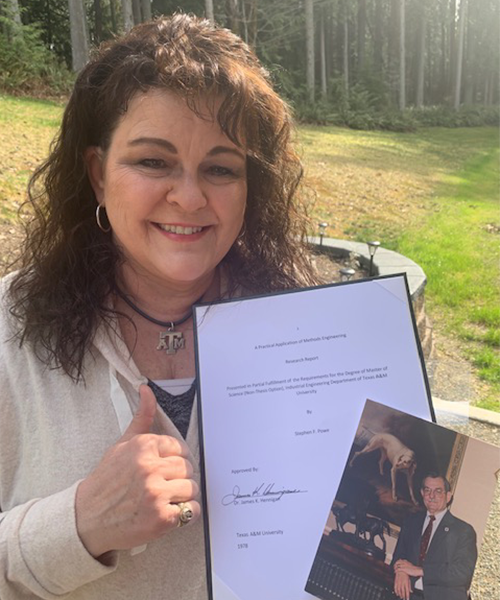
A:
x,y
68,265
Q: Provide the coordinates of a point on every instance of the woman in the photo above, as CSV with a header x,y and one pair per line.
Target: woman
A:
x,y
172,181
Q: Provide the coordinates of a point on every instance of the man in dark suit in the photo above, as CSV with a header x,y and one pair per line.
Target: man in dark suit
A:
x,y
436,553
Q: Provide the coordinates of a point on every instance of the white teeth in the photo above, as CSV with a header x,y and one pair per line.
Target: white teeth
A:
x,y
179,229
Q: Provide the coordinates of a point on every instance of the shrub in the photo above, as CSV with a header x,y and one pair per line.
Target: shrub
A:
x,y
363,109
26,65
466,116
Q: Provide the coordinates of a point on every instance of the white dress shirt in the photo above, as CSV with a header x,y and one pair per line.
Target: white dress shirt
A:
x,y
419,585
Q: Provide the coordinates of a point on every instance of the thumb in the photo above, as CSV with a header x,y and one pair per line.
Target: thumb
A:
x,y
143,418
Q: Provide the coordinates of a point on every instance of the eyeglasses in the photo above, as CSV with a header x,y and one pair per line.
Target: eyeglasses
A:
x,y
438,492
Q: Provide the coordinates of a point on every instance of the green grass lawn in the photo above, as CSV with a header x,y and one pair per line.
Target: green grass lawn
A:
x,y
27,127
432,195
459,248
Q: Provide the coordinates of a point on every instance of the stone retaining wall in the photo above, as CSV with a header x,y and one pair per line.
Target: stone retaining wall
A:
x,y
387,262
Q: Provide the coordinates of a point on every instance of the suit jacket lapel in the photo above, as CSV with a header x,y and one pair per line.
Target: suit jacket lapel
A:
x,y
441,532
417,536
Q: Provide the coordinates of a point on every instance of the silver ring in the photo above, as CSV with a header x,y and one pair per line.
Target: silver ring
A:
x,y
185,515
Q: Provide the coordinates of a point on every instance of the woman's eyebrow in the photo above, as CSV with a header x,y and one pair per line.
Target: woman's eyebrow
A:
x,y
163,143
225,150
155,141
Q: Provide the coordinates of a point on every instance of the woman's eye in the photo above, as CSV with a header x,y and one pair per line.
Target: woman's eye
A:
x,y
153,163
219,171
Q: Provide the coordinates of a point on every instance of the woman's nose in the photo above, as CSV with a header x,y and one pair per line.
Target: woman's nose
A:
x,y
187,193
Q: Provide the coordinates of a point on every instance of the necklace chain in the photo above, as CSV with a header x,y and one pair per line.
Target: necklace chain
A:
x,y
168,324
169,340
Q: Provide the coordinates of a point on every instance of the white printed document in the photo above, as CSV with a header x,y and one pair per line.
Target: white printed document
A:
x,y
283,380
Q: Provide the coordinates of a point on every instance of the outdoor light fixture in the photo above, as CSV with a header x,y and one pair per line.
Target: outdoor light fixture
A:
x,y
322,230
372,248
346,274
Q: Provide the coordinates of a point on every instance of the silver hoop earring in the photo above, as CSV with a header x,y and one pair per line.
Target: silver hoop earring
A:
x,y
242,233
98,219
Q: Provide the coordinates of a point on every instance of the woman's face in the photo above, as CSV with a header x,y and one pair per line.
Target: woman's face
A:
x,y
174,188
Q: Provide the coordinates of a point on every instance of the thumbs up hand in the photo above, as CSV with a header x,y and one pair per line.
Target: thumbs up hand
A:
x,y
143,418
131,497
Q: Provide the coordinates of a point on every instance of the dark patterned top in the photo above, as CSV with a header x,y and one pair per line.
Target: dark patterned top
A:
x,y
177,407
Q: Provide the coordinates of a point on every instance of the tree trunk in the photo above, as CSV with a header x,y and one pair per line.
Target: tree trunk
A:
x,y
127,15
393,49
490,90
469,66
14,12
209,10
433,67
79,36
345,49
378,38
486,90
443,78
361,41
324,89
309,15
10,26
452,48
48,22
233,16
146,10
338,38
460,54
419,100
402,57
98,20
136,11
244,21
112,9
345,53
251,14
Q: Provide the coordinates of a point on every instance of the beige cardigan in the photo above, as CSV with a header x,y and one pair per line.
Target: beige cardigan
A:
x,y
52,433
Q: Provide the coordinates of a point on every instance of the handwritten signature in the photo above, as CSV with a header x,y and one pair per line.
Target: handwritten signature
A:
x,y
268,491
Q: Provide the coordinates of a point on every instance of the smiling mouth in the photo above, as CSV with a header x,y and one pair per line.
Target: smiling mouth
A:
x,y
179,229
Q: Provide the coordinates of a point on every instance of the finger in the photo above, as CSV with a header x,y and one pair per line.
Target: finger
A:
x,y
397,587
180,490
143,418
170,446
175,467
175,510
406,589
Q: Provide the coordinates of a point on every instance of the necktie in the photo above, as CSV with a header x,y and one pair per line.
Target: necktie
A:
x,y
424,542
